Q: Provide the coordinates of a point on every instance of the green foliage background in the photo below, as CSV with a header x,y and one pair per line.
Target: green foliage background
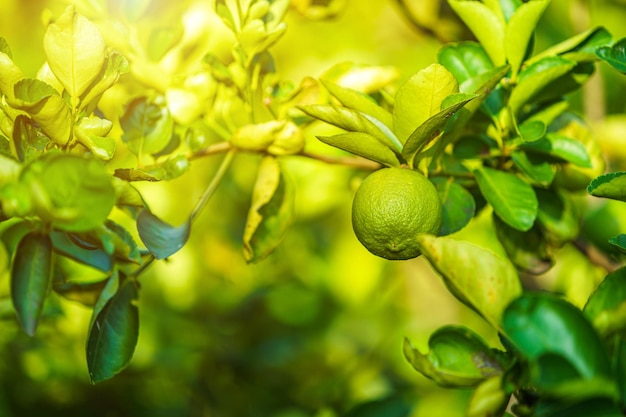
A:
x,y
317,328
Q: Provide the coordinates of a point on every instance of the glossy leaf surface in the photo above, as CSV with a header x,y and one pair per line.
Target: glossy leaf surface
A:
x,y
162,239
113,333
513,200
30,278
364,145
458,204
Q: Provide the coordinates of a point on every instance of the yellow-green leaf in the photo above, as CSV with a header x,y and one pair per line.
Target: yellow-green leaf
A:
x,y
420,98
75,51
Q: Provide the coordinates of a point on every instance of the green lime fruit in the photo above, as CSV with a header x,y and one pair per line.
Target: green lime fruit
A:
x,y
391,207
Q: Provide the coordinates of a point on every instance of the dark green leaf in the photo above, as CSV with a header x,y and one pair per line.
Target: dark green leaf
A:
x,y
24,133
619,242
596,407
512,199
70,246
30,278
162,239
614,55
271,211
431,128
387,407
478,277
534,78
606,307
364,145
458,357
534,166
458,204
557,216
540,324
562,147
86,293
611,185
113,333
148,127
527,250
4,48
465,60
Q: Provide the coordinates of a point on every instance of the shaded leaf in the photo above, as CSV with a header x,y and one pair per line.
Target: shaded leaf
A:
x,y
394,406
420,98
465,60
458,205
458,357
114,66
364,145
512,199
481,279
606,307
271,211
30,278
9,75
489,399
162,239
597,407
527,250
113,333
86,293
535,167
562,147
133,174
615,55
557,216
611,185
534,78
619,242
72,247
540,324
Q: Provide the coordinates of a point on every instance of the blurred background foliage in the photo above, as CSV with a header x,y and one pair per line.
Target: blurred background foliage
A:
x,y
316,329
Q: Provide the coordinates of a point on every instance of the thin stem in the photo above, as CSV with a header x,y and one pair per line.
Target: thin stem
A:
x,y
143,267
214,149
217,178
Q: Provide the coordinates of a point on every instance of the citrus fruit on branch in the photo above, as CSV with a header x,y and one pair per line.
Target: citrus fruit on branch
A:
x,y
391,207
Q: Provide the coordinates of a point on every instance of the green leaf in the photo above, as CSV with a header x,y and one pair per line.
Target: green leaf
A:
x,y
364,145
527,250
30,278
9,75
420,98
483,85
349,120
431,128
458,205
113,333
534,78
162,239
148,127
132,174
490,398
359,102
532,130
557,216
535,167
578,47
75,51
46,107
512,199
611,185
86,293
24,133
606,307
486,25
619,242
519,30
614,55
271,211
465,60
114,66
458,357
596,407
71,246
562,147
540,324
394,406
481,279
73,193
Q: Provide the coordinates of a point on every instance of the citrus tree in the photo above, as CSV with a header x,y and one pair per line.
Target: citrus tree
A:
x,y
483,136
